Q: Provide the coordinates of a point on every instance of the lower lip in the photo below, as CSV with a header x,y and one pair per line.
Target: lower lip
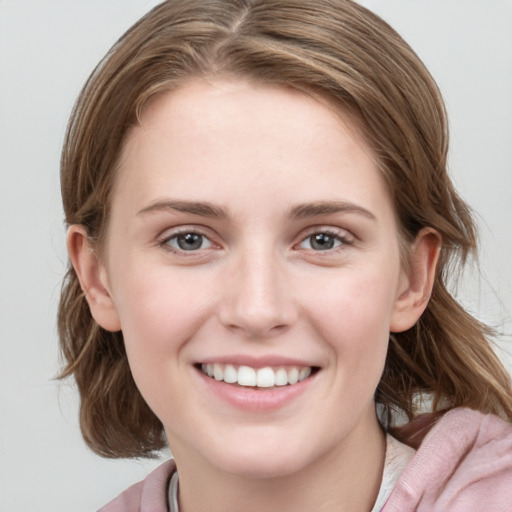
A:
x,y
256,399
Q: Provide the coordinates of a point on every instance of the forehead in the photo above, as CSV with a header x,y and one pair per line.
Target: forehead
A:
x,y
211,106
257,137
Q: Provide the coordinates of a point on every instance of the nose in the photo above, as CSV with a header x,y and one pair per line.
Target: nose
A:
x,y
257,301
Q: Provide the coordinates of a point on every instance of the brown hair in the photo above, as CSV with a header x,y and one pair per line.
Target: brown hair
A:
x,y
333,48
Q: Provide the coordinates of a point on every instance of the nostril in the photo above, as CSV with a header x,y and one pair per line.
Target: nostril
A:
x,y
258,301
258,330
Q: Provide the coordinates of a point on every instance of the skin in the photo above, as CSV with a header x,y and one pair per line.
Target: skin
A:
x,y
256,287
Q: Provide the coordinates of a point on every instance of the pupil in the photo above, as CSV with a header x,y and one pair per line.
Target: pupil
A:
x,y
190,241
322,241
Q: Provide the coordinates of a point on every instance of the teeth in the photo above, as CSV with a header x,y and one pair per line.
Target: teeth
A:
x,y
218,372
230,374
293,376
265,378
246,376
262,378
281,377
304,373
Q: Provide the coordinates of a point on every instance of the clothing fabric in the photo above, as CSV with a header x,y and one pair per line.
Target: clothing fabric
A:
x,y
464,464
172,494
398,457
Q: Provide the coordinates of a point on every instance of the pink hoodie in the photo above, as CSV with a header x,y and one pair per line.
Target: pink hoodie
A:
x,y
464,464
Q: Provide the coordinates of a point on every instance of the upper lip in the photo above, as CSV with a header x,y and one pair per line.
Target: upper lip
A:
x,y
258,361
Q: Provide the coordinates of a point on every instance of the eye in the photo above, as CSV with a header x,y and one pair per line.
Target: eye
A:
x,y
324,241
188,241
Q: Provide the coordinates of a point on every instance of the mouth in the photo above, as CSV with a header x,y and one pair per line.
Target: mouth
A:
x,y
257,378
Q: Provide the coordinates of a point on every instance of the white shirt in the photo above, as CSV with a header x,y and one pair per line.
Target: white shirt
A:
x,y
398,456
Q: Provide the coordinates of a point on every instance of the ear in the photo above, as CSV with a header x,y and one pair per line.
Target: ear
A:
x,y
417,284
93,278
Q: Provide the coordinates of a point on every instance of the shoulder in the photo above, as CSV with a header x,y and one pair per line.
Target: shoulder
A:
x,y
148,495
463,464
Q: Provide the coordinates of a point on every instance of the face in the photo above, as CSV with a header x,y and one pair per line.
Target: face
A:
x,y
253,239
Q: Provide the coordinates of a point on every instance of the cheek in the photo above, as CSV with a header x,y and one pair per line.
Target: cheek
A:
x,y
157,304
357,300
157,321
353,316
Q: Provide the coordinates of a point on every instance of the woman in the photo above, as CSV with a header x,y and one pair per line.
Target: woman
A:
x,y
261,227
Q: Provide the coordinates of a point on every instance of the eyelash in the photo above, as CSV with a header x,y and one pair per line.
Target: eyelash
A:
x,y
342,238
166,245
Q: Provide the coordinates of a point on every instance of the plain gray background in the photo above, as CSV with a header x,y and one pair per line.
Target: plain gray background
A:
x,y
47,50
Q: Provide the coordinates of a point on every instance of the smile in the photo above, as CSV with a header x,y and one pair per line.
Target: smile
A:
x,y
266,377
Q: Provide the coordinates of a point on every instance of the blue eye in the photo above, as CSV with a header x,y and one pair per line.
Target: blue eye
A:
x,y
189,241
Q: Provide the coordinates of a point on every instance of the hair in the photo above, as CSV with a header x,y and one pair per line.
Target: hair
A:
x,y
335,49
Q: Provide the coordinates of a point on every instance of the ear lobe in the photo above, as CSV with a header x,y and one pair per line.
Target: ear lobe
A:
x,y
93,278
414,296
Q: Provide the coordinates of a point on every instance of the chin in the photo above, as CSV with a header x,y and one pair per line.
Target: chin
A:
x,y
261,467
259,460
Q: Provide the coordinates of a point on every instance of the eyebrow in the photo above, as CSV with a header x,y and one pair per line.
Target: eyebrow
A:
x,y
306,210
203,209
301,211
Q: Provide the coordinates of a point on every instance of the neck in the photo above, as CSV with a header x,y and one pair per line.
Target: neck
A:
x,y
349,475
